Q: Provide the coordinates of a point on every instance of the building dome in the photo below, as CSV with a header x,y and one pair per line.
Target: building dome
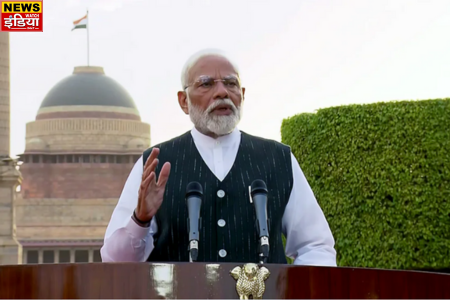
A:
x,y
87,113
88,86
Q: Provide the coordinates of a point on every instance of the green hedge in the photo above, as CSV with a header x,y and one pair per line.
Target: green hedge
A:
x,y
381,173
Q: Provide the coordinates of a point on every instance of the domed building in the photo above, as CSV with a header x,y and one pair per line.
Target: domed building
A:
x,y
85,139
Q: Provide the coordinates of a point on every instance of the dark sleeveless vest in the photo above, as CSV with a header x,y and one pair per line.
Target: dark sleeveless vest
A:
x,y
227,201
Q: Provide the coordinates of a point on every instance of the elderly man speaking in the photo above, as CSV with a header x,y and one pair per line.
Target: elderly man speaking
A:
x,y
150,221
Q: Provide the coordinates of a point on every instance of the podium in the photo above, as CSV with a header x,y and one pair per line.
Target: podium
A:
x,y
201,280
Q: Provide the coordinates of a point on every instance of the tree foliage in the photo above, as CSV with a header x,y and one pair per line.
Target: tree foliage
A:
x,y
381,173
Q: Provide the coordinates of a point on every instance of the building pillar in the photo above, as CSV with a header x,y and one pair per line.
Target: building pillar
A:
x,y
4,95
91,255
10,178
10,248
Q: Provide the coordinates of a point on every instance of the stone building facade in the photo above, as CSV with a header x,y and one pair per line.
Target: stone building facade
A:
x,y
10,179
79,150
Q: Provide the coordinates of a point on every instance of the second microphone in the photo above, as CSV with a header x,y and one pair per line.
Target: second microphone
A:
x,y
194,195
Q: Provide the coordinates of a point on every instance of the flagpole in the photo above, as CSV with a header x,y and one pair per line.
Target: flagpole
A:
x,y
87,34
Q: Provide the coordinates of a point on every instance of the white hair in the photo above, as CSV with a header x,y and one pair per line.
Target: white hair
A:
x,y
193,59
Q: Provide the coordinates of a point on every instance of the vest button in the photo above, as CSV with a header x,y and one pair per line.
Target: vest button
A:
x,y
220,193
222,253
221,222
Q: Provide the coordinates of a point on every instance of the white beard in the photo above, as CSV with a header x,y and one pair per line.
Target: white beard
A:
x,y
204,121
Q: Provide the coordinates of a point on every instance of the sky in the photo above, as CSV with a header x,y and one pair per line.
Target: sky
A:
x,y
294,56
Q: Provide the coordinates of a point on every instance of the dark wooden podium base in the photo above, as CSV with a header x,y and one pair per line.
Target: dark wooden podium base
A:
x,y
198,280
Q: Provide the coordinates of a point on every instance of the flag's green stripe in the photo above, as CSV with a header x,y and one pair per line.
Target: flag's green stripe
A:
x,y
79,26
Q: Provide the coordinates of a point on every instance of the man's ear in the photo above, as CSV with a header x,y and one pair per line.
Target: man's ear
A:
x,y
243,93
182,100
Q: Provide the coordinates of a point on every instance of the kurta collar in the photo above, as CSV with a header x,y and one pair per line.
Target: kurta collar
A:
x,y
226,140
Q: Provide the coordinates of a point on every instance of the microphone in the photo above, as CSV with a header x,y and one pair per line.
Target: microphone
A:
x,y
194,194
259,199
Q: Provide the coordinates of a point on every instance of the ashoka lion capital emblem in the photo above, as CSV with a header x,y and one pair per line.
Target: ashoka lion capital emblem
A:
x,y
250,280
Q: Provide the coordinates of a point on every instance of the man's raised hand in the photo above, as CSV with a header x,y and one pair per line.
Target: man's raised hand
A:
x,y
151,192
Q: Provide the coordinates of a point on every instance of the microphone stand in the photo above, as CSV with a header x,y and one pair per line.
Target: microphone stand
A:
x,y
193,251
263,250
258,196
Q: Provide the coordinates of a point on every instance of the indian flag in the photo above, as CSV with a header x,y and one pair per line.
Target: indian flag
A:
x,y
80,23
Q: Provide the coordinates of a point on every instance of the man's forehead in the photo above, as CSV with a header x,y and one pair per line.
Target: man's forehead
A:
x,y
212,66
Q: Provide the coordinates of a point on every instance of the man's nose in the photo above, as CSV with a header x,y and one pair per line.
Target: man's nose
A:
x,y
220,91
